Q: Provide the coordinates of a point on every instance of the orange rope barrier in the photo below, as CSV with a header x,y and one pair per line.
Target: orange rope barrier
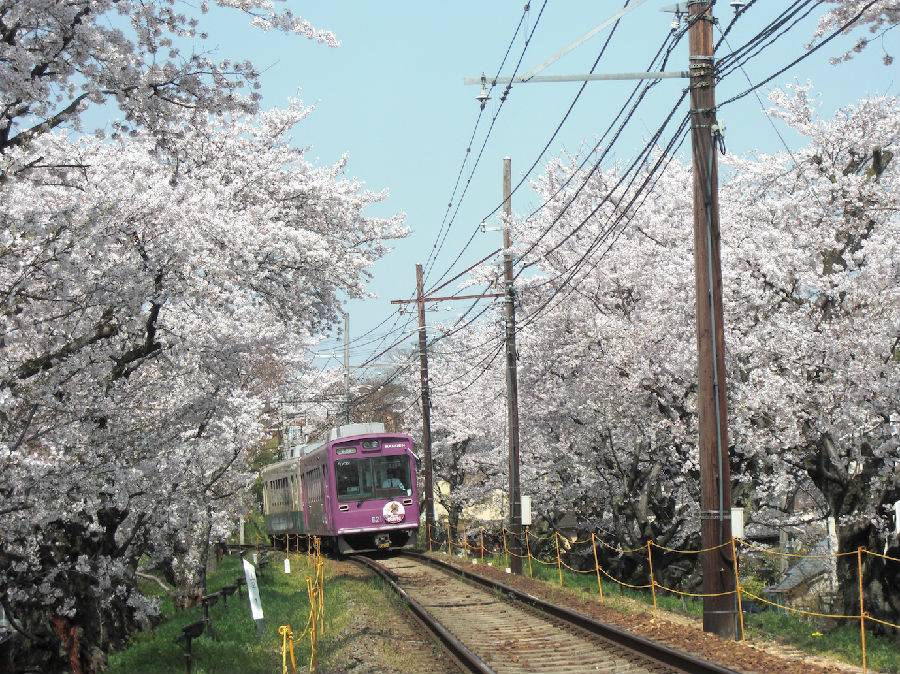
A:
x,y
835,616
690,552
692,594
767,551
621,551
576,570
878,554
623,583
882,622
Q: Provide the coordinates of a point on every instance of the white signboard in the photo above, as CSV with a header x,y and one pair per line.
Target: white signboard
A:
x,y
526,511
737,522
253,591
287,565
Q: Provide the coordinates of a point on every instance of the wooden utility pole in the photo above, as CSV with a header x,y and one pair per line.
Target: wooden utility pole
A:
x,y
426,401
420,301
719,614
512,382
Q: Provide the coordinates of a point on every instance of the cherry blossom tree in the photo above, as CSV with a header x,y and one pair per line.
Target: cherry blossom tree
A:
x,y
607,363
147,59
879,16
812,264
154,296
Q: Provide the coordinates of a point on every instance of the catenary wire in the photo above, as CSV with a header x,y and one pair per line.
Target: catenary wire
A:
x,y
496,114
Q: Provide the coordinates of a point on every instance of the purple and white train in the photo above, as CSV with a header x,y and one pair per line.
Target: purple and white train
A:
x,y
356,489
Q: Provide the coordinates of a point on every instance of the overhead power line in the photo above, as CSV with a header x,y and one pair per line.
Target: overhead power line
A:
x,y
442,237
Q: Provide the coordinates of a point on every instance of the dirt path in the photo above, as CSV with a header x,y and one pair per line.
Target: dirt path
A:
x,y
381,636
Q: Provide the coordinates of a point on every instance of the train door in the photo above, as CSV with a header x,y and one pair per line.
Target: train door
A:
x,y
304,498
327,519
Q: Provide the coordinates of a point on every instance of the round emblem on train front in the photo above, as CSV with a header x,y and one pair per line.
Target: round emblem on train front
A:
x,y
394,512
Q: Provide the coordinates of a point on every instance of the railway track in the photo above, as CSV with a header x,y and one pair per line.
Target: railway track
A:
x,y
491,628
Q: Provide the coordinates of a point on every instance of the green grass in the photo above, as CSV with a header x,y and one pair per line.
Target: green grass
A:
x,y
813,636
237,648
822,637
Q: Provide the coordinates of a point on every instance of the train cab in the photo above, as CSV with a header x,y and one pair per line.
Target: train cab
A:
x,y
375,495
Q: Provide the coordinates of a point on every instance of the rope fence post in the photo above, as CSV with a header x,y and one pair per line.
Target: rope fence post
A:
x,y
650,563
481,543
737,587
313,624
597,566
862,610
428,533
528,552
558,560
449,539
287,648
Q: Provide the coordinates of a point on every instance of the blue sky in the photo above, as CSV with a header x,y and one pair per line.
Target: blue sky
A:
x,y
392,98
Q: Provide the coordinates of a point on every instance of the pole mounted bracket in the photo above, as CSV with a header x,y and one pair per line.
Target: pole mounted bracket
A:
x,y
714,515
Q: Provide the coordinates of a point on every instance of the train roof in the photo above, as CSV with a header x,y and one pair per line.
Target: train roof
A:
x,y
278,465
344,432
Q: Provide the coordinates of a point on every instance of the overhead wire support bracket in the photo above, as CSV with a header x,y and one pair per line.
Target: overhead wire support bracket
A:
x,y
591,77
532,75
529,76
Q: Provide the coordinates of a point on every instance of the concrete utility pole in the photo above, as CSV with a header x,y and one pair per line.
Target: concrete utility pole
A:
x,y
426,403
719,613
512,381
346,367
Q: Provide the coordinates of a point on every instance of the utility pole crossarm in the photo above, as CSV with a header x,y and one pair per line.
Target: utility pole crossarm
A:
x,y
454,297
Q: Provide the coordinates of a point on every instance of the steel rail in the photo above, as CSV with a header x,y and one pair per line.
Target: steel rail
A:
x,y
457,649
645,647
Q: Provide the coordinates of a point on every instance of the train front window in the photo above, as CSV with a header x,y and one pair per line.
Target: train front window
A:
x,y
391,475
353,479
375,477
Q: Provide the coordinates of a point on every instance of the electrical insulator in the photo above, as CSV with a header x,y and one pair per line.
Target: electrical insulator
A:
x,y
483,97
